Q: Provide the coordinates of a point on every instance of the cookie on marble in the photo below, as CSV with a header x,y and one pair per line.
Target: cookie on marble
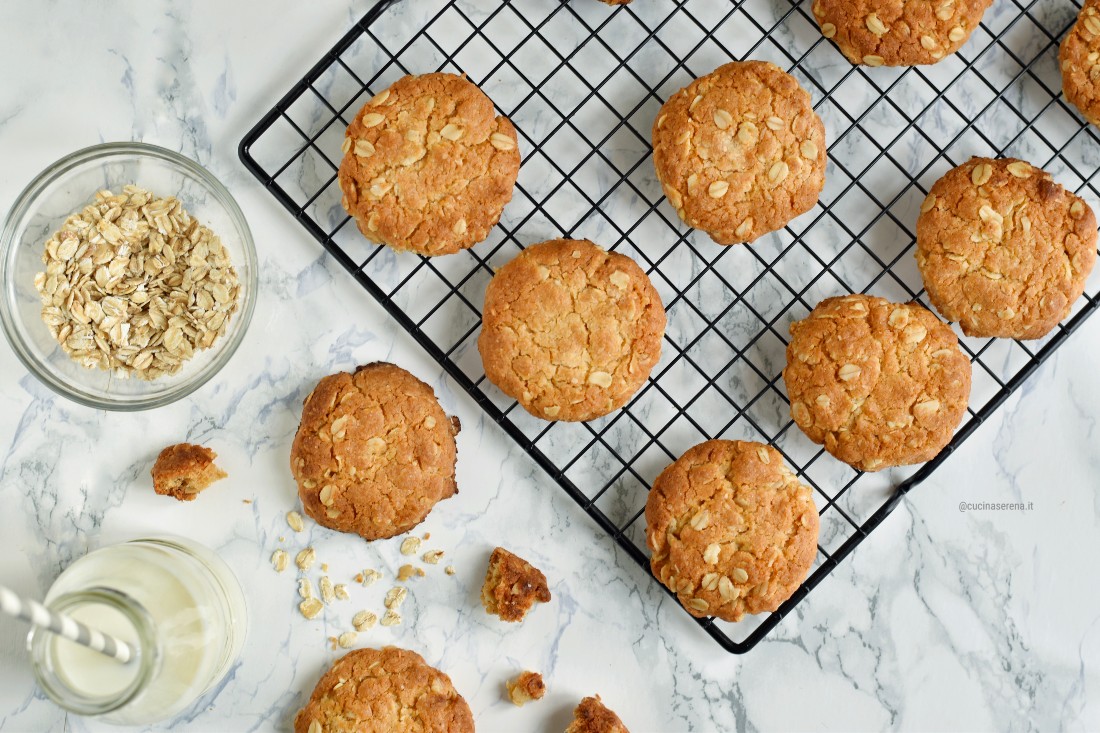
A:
x,y
374,452
897,33
512,586
879,384
1003,249
1080,60
740,152
615,2
428,165
384,690
570,330
183,470
591,716
731,529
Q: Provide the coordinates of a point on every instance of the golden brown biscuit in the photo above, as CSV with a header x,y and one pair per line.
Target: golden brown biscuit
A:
x,y
428,166
898,32
740,152
615,2
512,586
374,452
525,688
731,529
880,384
1003,249
185,469
1080,60
381,691
592,717
570,331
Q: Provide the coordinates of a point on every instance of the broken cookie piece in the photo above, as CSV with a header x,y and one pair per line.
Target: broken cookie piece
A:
x,y
512,586
525,688
185,469
592,717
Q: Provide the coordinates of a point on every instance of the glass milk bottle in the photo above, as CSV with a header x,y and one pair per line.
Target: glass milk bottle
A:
x,y
176,602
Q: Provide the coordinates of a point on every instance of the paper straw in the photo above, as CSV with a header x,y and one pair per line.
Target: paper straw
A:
x,y
63,625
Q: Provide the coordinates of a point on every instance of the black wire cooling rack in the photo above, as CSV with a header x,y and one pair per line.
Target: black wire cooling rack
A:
x,y
582,82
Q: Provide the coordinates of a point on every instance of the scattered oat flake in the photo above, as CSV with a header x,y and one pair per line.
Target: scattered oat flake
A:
x,y
328,595
427,536
246,501
333,641
364,620
311,607
370,575
410,545
324,567
396,596
391,618
347,639
304,560
305,588
341,591
432,556
449,570
408,571
279,560
294,519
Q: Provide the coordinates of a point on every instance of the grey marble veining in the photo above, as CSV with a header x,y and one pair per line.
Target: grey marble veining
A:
x,y
942,620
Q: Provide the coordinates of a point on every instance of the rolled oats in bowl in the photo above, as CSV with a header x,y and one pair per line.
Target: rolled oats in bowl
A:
x,y
135,284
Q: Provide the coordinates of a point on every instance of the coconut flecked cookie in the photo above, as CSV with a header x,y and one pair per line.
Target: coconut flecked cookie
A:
x,y
384,690
570,330
374,452
879,384
740,152
731,529
898,32
428,165
1003,249
591,716
1080,60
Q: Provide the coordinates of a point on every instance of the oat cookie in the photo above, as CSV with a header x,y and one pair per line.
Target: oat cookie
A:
x,y
183,470
898,32
740,152
384,690
512,586
592,717
616,2
570,331
374,452
1003,249
879,384
428,166
1080,60
731,529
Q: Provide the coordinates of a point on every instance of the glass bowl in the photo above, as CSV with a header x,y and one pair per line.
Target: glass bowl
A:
x,y
66,187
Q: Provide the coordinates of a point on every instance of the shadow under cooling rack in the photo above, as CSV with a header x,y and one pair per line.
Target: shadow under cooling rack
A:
x,y
582,83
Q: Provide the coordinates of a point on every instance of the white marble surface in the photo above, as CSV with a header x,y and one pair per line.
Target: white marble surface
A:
x,y
943,620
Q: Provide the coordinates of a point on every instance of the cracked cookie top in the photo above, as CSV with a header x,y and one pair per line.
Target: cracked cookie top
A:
x,y
731,529
898,32
740,152
428,166
374,452
384,690
1080,60
1003,249
570,330
879,384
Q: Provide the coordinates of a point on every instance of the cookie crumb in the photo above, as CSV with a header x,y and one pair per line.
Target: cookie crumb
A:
x,y
450,570
592,717
246,501
324,567
408,571
525,688
512,586
183,470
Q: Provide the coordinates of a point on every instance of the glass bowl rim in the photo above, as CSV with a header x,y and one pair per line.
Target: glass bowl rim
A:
x,y
26,199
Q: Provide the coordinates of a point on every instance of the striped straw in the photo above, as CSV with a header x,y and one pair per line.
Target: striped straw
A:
x,y
63,625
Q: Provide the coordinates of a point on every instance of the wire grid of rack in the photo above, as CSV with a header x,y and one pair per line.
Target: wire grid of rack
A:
x,y
582,83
